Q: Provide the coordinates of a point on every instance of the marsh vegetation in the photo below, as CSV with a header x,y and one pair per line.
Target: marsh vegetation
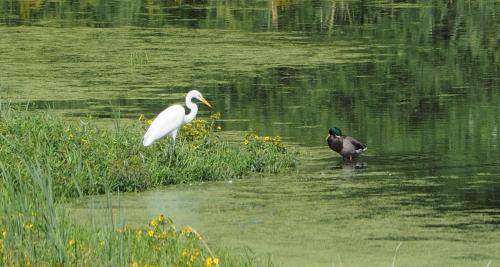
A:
x,y
46,159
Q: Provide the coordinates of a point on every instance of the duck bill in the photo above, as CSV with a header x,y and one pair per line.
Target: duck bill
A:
x,y
327,137
204,101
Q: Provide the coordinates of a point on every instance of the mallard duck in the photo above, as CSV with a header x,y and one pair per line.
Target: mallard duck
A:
x,y
346,146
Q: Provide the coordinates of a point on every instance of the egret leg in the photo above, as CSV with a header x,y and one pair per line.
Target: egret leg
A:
x,y
172,148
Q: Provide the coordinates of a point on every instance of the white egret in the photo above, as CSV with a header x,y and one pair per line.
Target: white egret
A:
x,y
170,120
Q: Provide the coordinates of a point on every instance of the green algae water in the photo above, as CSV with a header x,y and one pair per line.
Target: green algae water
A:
x,y
418,82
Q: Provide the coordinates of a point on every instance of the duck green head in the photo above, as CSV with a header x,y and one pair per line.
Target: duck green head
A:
x,y
335,131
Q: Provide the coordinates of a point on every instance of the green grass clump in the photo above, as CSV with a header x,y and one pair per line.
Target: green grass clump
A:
x,y
82,158
36,231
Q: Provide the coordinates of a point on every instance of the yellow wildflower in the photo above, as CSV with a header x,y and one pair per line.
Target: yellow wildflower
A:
x,y
161,219
151,233
149,122
28,226
246,142
209,262
134,264
4,234
267,138
192,258
184,253
154,223
219,128
71,242
186,230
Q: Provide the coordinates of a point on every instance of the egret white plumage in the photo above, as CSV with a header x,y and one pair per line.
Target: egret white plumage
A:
x,y
170,120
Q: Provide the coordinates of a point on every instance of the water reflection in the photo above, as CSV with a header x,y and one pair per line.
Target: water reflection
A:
x,y
444,20
355,164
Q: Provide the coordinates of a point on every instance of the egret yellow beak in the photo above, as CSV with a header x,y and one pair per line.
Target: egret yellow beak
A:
x,y
204,101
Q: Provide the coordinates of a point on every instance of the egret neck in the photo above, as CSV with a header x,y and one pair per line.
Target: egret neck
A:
x,y
193,107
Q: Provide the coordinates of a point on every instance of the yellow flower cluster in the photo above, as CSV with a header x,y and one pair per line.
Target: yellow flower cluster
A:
x,y
187,230
196,129
160,228
161,220
210,262
80,134
253,138
189,258
157,237
28,226
200,128
151,233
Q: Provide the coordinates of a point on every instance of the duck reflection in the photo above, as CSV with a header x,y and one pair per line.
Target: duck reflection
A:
x,y
351,165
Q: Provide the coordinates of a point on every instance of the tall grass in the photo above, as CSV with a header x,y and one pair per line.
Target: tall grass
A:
x,y
44,158
34,231
82,158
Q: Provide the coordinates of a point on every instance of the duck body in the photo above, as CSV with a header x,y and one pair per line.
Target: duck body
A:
x,y
346,146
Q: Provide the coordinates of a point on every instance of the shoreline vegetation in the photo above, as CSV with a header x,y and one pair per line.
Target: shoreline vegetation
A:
x,y
44,160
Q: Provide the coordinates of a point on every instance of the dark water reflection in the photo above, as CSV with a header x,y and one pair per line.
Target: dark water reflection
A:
x,y
418,82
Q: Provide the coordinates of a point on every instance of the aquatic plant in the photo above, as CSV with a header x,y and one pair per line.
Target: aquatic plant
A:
x,y
83,158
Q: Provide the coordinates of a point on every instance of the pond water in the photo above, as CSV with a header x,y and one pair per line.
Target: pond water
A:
x,y
418,82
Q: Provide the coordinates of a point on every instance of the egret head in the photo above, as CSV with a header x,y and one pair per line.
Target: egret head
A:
x,y
335,131
196,94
